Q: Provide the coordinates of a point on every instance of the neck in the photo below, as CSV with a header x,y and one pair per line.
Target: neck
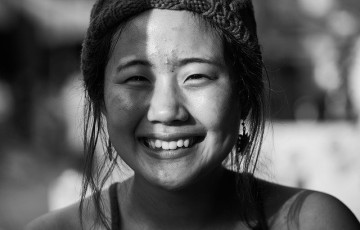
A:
x,y
193,205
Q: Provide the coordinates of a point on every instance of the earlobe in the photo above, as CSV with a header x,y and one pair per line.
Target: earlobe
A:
x,y
244,113
243,101
244,110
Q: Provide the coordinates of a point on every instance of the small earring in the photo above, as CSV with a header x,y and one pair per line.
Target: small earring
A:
x,y
242,141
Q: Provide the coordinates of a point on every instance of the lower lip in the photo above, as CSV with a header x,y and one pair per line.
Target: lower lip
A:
x,y
169,154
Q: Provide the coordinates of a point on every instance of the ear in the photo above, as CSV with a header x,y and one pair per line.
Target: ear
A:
x,y
245,107
244,112
243,99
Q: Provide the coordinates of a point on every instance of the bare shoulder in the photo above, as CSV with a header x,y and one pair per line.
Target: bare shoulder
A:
x,y
323,211
69,217
294,208
65,218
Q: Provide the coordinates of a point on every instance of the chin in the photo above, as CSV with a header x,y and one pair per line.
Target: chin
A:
x,y
173,179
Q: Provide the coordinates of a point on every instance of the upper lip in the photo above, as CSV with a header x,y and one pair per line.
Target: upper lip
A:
x,y
171,136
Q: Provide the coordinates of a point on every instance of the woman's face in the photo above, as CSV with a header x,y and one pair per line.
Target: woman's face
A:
x,y
171,107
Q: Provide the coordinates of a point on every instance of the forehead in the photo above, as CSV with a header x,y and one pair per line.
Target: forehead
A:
x,y
168,34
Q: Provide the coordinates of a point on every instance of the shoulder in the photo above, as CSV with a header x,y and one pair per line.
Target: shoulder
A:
x,y
66,218
323,211
69,217
294,208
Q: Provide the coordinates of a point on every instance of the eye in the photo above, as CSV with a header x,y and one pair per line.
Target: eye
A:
x,y
194,77
137,80
197,80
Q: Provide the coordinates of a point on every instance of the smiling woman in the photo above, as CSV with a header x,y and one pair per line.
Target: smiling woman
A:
x,y
174,81
168,92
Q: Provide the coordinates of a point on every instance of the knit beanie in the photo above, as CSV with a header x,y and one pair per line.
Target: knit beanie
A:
x,y
234,17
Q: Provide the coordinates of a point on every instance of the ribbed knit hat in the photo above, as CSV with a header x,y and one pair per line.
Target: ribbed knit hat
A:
x,y
235,17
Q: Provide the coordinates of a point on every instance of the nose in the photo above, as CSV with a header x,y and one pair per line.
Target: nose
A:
x,y
166,105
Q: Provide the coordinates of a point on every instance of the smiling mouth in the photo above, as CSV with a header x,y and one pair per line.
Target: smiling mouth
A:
x,y
182,143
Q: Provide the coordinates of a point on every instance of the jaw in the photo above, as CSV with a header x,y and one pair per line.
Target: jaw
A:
x,y
181,180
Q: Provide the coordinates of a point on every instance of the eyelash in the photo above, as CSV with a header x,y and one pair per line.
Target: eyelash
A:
x,y
193,77
136,79
197,76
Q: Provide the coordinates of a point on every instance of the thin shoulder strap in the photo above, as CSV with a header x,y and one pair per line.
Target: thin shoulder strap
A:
x,y
114,205
293,216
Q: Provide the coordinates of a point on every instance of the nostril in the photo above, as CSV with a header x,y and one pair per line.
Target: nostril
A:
x,y
166,105
183,114
168,114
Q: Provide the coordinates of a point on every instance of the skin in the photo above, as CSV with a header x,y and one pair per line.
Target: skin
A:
x,y
158,96
169,82
157,85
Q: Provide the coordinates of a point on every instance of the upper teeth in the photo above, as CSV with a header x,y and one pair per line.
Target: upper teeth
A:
x,y
166,145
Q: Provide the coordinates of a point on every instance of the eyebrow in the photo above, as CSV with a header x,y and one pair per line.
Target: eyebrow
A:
x,y
133,63
181,62
210,61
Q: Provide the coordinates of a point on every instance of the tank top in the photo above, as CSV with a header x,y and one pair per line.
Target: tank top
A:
x,y
114,207
115,210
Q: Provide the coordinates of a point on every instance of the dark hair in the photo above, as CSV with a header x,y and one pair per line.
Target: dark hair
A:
x,y
245,62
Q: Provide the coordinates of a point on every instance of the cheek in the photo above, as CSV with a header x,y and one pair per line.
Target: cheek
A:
x,y
123,111
219,113
218,110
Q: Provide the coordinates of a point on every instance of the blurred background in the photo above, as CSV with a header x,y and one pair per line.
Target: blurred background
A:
x,y
312,53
